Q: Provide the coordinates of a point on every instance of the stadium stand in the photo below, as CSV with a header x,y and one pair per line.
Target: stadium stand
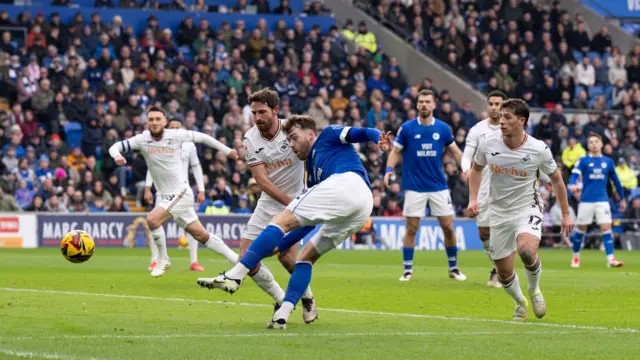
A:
x,y
77,81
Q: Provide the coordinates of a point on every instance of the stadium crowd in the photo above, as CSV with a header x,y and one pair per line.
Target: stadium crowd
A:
x,y
74,89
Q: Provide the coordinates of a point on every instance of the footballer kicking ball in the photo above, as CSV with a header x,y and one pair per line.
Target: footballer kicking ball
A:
x,y
77,246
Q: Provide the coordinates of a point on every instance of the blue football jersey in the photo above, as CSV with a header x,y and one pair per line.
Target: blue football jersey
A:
x,y
422,149
596,173
332,154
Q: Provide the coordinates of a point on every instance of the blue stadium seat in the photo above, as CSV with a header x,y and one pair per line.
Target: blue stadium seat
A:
x,y
73,130
578,55
482,85
596,91
592,55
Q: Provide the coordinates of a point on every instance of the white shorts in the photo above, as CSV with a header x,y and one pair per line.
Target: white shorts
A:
x,y
181,206
601,211
439,202
503,238
342,203
482,220
265,211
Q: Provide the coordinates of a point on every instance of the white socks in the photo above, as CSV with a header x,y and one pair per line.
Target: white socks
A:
x,y
193,248
238,271
513,289
533,277
154,250
216,244
160,240
264,279
284,311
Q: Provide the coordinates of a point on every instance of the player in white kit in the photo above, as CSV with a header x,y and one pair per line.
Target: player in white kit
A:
x,y
280,175
162,150
189,161
516,161
479,130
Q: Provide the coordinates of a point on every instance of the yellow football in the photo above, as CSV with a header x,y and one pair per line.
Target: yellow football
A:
x,y
77,246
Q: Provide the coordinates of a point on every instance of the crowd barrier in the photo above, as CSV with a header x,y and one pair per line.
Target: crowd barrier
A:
x,y
138,18
30,230
131,230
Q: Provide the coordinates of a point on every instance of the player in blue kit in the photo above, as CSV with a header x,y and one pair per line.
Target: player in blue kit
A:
x,y
338,197
421,143
595,170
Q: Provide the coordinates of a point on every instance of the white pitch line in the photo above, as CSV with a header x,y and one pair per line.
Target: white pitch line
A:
x,y
348,311
35,355
282,334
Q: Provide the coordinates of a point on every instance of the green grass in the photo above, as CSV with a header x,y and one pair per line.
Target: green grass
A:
x,y
110,308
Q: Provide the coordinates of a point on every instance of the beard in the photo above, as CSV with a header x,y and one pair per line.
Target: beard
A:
x,y
157,134
425,113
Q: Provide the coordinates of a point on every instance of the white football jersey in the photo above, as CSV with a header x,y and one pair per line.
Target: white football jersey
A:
x,y
483,128
165,158
514,174
284,168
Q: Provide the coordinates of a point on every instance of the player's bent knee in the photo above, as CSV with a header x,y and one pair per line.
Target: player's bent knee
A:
x,y
528,254
309,253
286,221
483,232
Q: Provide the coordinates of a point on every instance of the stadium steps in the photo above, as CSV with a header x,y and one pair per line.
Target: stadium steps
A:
x,y
133,207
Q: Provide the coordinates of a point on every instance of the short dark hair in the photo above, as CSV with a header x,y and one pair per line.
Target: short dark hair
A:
x,y
156,109
304,122
595,135
518,107
497,93
426,92
266,96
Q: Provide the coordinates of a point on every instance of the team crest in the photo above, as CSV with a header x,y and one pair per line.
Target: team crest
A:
x,y
604,165
285,145
590,164
526,159
436,136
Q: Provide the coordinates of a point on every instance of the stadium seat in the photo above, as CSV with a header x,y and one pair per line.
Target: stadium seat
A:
x,y
578,55
73,130
592,55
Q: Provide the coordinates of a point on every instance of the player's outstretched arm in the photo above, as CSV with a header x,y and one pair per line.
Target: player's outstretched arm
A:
x,y
392,161
455,150
475,178
356,135
148,183
198,174
124,146
201,138
563,199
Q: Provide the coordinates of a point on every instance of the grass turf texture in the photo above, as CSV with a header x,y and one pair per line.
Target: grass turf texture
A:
x,y
110,308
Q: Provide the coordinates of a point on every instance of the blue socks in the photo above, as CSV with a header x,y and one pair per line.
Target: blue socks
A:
x,y
298,283
407,256
576,239
607,239
262,246
452,255
293,237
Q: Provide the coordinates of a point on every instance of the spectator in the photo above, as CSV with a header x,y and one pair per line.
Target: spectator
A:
x,y
8,202
627,176
572,153
365,38
617,72
54,205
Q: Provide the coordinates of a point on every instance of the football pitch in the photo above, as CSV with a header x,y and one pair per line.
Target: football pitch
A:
x,y
110,308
